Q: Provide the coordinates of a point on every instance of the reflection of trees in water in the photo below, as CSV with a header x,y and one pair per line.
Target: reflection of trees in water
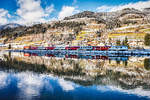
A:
x,y
21,65
147,63
125,63
18,65
110,77
100,63
109,61
77,70
113,78
118,62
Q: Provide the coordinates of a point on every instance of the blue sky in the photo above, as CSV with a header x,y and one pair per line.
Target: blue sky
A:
x,y
27,11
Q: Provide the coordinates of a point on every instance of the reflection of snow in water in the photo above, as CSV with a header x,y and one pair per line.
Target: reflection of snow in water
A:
x,y
66,85
3,79
137,91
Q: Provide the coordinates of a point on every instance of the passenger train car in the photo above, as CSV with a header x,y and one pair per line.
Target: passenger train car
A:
x,y
60,48
33,48
26,47
49,48
101,48
86,48
72,47
121,48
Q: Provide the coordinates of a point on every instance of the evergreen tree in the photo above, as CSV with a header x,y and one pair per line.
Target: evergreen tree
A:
x,y
147,40
9,47
125,42
110,41
118,43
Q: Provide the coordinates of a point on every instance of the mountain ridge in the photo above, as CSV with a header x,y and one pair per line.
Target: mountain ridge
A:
x,y
90,14
10,25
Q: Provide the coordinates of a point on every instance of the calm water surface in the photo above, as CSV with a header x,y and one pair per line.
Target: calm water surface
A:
x,y
33,77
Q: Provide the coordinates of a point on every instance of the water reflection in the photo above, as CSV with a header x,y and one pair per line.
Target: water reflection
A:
x,y
30,85
147,63
86,78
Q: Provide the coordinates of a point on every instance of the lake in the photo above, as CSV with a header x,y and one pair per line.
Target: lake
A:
x,y
26,76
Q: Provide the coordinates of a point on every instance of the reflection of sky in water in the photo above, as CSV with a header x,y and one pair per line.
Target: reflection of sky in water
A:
x,y
137,91
3,79
28,85
66,86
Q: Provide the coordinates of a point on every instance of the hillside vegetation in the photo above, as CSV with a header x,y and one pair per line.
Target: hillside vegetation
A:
x,y
85,28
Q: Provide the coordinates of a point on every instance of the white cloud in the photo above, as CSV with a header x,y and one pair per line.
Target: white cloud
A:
x,y
67,11
104,8
49,10
138,5
4,15
31,11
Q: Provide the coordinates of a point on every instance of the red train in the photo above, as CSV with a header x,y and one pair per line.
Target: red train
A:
x,y
87,48
101,48
72,48
30,48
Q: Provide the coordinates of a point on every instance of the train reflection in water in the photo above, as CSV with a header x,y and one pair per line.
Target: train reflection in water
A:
x,y
102,57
